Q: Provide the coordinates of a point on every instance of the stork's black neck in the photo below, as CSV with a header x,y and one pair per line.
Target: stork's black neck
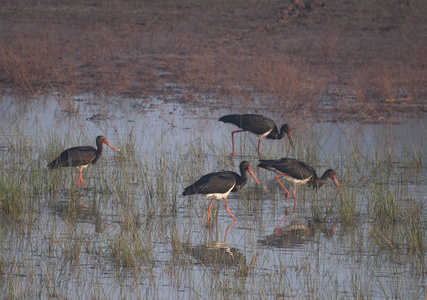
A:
x,y
243,174
100,148
275,134
318,182
243,178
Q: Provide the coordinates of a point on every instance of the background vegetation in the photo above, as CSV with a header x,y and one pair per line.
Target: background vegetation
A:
x,y
337,60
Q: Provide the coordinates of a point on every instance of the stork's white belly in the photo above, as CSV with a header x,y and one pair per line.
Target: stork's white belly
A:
x,y
297,181
82,167
220,195
265,134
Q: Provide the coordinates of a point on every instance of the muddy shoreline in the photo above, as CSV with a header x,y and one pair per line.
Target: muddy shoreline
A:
x,y
330,60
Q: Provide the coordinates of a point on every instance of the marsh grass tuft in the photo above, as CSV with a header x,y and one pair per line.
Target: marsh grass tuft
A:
x,y
346,209
130,249
416,228
386,205
321,207
12,191
72,248
414,158
388,236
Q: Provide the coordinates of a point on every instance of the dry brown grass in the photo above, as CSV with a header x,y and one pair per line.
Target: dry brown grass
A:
x,y
294,54
29,63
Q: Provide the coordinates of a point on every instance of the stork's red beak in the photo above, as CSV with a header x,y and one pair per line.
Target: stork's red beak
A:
x,y
253,175
336,184
108,144
289,134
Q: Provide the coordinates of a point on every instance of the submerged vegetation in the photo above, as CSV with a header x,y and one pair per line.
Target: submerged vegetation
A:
x,y
130,218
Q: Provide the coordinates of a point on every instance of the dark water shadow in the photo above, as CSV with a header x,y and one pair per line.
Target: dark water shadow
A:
x,y
75,210
296,233
218,255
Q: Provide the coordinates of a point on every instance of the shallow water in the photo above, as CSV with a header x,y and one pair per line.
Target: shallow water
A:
x,y
64,246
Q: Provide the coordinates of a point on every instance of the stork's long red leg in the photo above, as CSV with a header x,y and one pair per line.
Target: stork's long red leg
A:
x,y
280,223
229,212
295,199
277,179
232,140
259,144
226,231
209,210
332,231
80,179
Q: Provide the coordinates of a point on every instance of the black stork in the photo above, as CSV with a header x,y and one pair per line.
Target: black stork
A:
x,y
258,125
219,184
297,172
80,157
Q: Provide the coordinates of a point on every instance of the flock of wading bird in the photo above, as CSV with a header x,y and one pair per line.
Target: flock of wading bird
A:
x,y
219,184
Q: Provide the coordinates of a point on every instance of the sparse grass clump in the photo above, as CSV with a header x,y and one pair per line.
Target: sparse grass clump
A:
x,y
347,211
130,249
416,228
413,158
386,205
12,195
